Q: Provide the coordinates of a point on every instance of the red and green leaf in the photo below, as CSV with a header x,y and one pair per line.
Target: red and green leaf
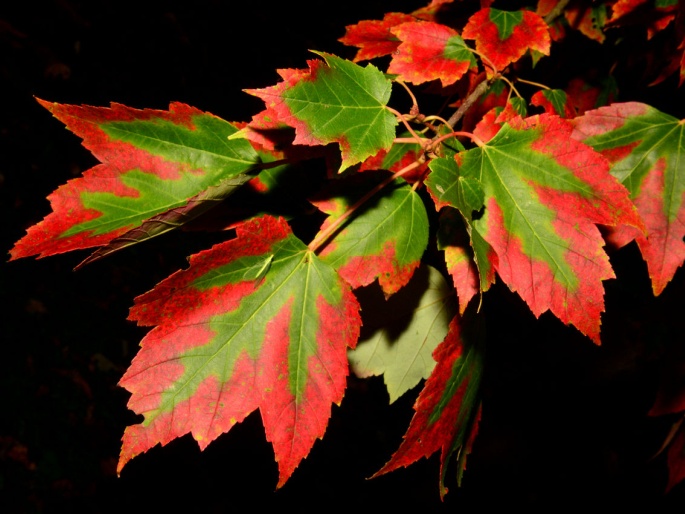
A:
x,y
453,239
646,149
153,162
589,19
450,189
255,322
397,158
544,193
584,96
374,37
448,407
503,37
557,26
655,16
495,118
430,51
400,333
384,239
553,101
179,217
335,101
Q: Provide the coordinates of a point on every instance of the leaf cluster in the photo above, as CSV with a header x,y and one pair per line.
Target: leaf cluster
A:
x,y
437,169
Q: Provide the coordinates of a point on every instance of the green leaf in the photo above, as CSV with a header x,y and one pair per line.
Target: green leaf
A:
x,y
465,193
399,334
336,101
385,238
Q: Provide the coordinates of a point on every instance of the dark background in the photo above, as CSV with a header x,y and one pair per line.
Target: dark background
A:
x,y
564,421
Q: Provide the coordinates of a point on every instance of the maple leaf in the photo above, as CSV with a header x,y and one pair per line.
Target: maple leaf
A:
x,y
178,217
373,37
553,101
153,162
432,10
503,37
543,193
589,19
453,239
584,96
430,51
401,332
256,322
449,188
646,149
493,120
643,13
550,11
448,408
335,101
383,239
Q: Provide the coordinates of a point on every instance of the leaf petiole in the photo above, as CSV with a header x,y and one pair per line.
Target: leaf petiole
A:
x,y
325,234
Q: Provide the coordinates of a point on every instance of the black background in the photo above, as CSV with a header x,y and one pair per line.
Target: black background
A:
x,y
564,421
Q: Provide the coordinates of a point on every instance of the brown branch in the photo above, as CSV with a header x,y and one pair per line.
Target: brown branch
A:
x,y
470,100
556,12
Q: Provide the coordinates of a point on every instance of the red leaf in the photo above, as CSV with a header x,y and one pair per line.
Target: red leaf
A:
x,y
584,96
553,101
383,240
430,12
642,13
502,37
398,157
374,37
588,19
454,241
430,51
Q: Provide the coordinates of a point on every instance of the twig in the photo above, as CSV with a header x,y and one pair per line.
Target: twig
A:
x,y
555,12
470,100
406,124
325,234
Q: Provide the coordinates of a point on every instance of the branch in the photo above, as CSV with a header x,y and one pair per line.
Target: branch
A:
x,y
470,100
556,12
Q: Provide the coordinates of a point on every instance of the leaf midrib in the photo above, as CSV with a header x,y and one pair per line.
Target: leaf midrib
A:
x,y
118,129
